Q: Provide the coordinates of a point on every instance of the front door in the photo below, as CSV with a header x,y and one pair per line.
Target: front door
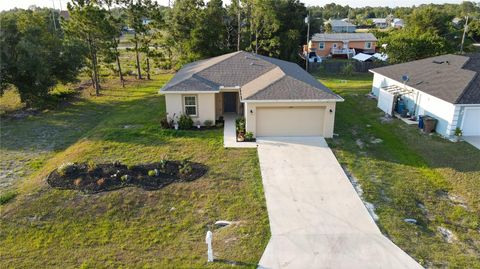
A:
x,y
230,102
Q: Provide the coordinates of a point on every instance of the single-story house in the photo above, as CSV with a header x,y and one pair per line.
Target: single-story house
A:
x,y
380,22
398,23
445,87
345,44
277,98
341,26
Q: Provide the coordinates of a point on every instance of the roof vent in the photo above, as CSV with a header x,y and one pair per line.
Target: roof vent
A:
x,y
441,62
255,64
250,58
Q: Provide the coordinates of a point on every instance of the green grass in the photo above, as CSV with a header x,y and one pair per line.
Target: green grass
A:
x,y
130,227
7,196
410,175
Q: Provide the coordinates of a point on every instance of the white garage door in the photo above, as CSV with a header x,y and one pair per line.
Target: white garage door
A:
x,y
471,121
290,121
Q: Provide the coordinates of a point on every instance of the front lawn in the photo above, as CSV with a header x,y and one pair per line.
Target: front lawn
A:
x,y
407,174
44,227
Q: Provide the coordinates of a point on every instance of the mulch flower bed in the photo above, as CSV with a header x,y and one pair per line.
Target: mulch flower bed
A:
x,y
112,176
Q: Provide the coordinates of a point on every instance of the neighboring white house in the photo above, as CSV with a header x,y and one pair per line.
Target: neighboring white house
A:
x,y
277,98
397,23
445,87
380,22
341,26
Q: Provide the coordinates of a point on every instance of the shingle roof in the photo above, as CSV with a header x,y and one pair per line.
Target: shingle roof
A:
x,y
452,78
340,23
259,78
344,37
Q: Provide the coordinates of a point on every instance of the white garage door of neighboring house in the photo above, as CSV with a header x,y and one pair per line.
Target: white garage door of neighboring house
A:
x,y
290,121
471,121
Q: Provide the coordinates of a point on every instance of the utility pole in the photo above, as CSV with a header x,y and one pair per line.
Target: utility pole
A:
x,y
307,20
53,16
465,29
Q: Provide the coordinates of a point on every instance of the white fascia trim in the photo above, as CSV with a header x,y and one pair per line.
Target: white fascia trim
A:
x,y
468,105
296,101
187,92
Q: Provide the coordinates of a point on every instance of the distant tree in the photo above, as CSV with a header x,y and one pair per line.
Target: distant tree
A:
x,y
136,12
328,27
116,21
35,55
89,23
429,18
292,30
182,20
263,24
209,36
404,46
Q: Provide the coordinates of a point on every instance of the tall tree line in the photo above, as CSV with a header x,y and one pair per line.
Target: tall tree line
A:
x,y
39,50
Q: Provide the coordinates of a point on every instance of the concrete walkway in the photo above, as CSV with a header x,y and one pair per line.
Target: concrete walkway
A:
x,y
230,135
473,140
316,217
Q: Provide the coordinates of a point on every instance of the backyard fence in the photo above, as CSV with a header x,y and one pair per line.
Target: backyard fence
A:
x,y
337,67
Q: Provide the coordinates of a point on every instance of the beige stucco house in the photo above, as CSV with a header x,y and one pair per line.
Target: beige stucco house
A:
x,y
277,98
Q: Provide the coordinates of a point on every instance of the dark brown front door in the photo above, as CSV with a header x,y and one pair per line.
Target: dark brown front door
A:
x,y
230,102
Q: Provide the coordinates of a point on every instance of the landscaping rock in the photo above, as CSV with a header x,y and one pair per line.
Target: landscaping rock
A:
x,y
447,235
359,143
376,140
411,221
222,223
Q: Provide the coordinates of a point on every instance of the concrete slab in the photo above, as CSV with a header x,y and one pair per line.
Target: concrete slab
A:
x,y
473,140
316,217
230,135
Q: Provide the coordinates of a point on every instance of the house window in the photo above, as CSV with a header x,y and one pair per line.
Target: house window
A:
x,y
190,104
368,45
321,45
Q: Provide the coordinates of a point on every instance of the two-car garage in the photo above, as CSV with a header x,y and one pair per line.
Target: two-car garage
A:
x,y
290,119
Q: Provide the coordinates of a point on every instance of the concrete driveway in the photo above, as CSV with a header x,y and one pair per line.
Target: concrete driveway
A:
x,y
316,217
473,140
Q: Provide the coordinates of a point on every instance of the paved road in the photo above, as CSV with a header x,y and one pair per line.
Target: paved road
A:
x,y
316,217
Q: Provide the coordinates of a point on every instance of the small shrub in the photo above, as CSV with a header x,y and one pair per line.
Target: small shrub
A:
x,y
185,122
152,173
130,167
249,136
163,164
458,132
208,123
185,168
7,197
347,69
240,124
65,168
165,123
124,178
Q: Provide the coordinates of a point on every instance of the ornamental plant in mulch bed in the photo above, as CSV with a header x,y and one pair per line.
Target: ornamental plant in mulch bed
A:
x,y
243,136
91,178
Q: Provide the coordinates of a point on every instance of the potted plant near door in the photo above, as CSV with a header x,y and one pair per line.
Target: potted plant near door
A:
x,y
458,134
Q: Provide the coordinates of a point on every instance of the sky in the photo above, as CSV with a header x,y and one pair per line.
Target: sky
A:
x,y
9,4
